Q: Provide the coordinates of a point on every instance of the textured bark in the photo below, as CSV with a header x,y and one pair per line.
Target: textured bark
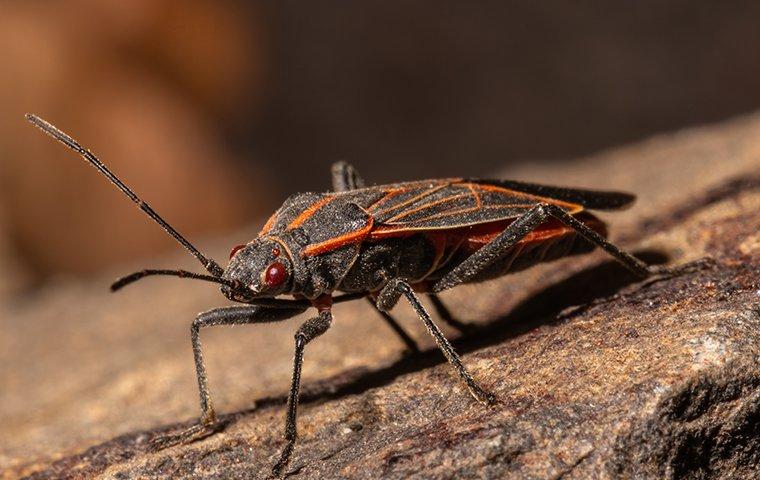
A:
x,y
598,375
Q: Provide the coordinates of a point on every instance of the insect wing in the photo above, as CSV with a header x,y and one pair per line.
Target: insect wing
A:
x,y
452,204
591,199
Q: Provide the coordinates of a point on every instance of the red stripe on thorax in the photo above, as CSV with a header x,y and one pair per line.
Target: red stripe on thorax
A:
x,y
306,214
334,243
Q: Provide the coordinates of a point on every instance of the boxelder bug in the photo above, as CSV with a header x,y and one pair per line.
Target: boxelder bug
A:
x,y
382,242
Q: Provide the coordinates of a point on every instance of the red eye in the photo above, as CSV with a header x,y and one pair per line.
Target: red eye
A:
x,y
235,250
275,275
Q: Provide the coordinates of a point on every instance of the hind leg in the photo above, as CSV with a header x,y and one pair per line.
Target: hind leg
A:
x,y
499,246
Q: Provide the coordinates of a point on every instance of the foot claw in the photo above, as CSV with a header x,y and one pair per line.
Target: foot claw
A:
x,y
279,467
191,434
482,396
689,267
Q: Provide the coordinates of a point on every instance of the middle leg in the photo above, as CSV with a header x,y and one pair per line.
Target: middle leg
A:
x,y
411,345
390,295
445,314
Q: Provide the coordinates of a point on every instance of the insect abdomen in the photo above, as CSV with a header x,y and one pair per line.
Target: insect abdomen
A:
x,y
551,241
526,255
423,257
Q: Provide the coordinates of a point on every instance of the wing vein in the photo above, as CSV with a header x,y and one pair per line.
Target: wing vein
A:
x,y
470,209
406,202
425,206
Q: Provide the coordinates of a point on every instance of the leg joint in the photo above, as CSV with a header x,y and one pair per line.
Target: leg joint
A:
x,y
390,294
403,287
313,328
552,209
195,327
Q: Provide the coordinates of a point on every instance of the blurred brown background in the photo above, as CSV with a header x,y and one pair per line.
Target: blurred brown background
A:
x,y
215,111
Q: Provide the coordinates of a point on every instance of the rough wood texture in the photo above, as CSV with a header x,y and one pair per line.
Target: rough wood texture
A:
x,y
598,375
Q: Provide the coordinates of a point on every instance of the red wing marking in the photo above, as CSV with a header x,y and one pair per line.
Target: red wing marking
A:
x,y
337,242
537,236
303,216
570,207
545,232
475,195
401,229
472,209
268,226
443,206
388,195
388,231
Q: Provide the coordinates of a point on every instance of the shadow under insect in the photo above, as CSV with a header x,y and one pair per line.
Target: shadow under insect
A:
x,y
572,296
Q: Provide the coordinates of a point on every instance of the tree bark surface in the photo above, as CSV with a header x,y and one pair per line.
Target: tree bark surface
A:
x,y
597,374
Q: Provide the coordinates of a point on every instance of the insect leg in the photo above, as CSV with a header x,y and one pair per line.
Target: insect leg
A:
x,y
310,330
390,295
493,250
411,345
626,259
345,177
500,245
218,316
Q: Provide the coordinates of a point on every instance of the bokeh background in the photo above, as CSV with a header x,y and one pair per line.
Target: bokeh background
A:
x,y
216,110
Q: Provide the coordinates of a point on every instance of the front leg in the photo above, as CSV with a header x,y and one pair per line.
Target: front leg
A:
x,y
310,330
219,316
387,299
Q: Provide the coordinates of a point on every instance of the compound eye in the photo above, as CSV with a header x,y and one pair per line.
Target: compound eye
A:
x,y
275,275
235,250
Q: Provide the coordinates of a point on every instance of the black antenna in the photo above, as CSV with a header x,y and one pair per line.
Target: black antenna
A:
x,y
133,277
209,264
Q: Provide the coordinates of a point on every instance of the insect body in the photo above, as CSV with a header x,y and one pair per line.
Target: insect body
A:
x,y
355,241
383,243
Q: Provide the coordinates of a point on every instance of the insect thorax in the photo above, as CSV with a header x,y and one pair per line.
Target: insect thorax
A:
x,y
300,226
314,275
410,258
